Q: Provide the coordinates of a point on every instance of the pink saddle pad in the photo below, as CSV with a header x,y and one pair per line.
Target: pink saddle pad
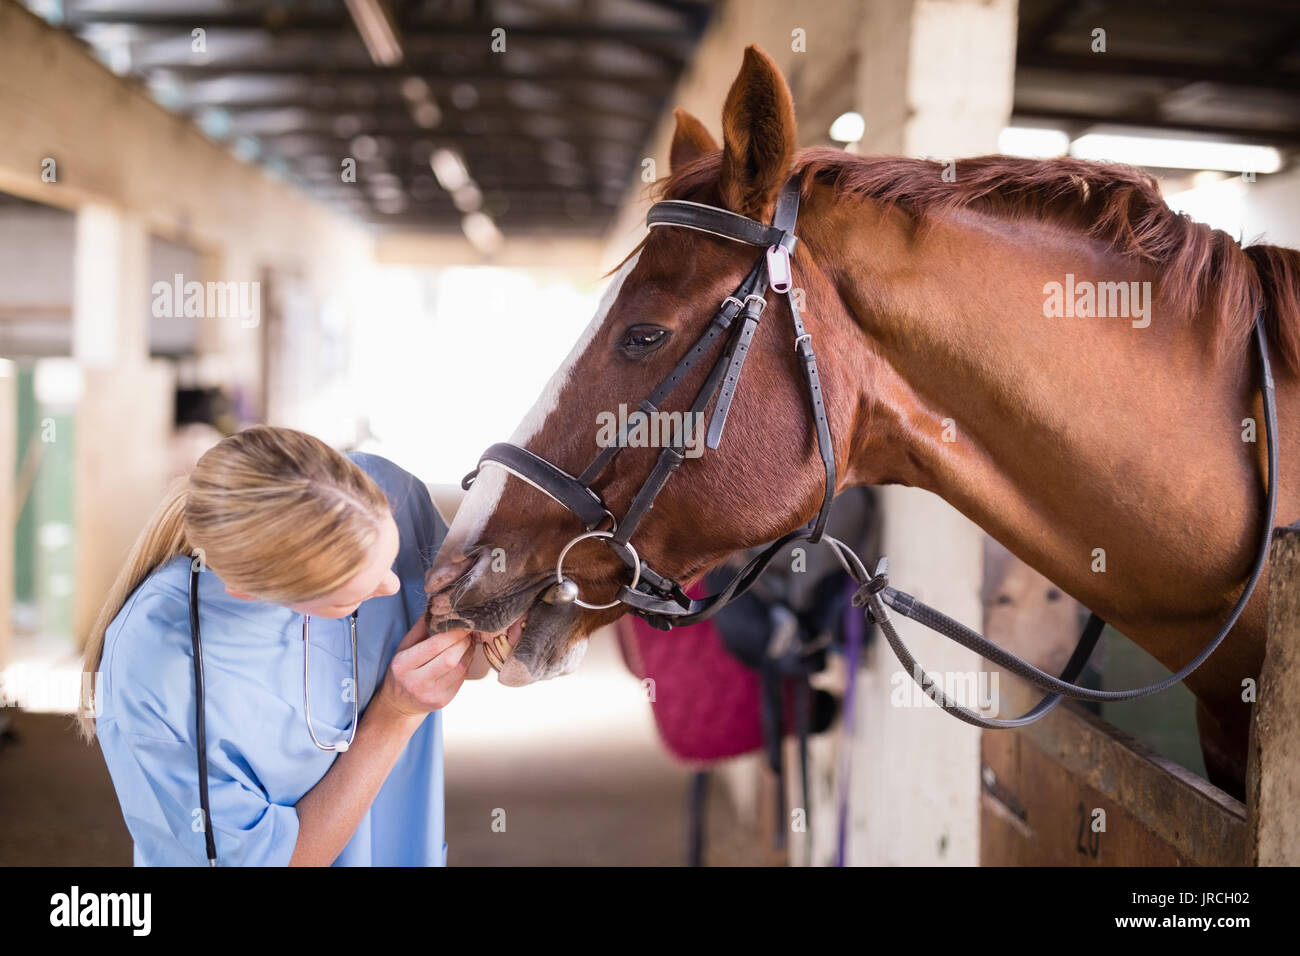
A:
x,y
706,703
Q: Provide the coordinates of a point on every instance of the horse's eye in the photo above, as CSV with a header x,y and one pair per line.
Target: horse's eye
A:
x,y
641,340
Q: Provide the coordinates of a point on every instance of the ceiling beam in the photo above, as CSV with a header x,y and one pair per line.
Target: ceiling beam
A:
x,y
1104,64
312,25
426,69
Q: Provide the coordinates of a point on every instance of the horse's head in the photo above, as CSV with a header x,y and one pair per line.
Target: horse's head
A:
x,y
765,478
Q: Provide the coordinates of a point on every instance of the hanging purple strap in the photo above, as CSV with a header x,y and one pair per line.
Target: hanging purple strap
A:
x,y
853,635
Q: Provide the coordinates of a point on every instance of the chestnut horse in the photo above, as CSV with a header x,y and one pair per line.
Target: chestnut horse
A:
x,y
948,362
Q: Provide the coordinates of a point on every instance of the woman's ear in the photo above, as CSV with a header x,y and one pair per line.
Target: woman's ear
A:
x,y
759,137
690,140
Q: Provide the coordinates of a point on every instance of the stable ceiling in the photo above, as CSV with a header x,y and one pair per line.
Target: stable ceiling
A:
x,y
553,132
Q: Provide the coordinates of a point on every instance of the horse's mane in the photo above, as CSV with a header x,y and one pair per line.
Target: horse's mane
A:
x,y
1120,205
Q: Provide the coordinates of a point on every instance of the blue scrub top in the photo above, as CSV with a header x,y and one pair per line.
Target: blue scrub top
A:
x,y
261,758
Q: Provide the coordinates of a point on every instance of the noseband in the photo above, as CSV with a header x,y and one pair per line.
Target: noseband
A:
x,y
661,601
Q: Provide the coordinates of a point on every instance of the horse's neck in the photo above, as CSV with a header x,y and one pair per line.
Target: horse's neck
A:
x,y
1072,440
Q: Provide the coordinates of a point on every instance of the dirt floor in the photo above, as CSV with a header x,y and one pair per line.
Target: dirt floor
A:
x,y
573,767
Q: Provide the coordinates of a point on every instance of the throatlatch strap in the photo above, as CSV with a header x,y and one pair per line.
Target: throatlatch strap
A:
x,y
785,217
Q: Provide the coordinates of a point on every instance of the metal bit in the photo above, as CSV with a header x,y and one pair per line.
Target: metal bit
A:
x,y
562,592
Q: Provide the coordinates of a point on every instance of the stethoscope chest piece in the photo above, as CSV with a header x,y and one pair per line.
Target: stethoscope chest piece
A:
x,y
341,745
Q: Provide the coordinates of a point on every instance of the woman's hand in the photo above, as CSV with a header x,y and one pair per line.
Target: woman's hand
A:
x,y
427,670
425,675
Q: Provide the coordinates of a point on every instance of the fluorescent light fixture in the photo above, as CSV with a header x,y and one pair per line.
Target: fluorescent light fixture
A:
x,y
364,148
415,89
468,198
1177,153
449,168
848,128
377,31
1033,142
247,148
426,114
51,11
482,232
215,121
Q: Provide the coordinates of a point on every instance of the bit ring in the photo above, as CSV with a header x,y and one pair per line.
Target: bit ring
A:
x,y
607,535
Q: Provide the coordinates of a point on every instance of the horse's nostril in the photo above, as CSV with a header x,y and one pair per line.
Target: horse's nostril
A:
x,y
473,573
447,572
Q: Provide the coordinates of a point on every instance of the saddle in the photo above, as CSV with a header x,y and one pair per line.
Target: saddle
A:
x,y
740,682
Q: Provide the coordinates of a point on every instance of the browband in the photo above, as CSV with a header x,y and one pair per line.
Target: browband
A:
x,y
720,222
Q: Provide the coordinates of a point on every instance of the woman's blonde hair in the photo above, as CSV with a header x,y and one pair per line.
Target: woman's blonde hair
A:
x,y
276,513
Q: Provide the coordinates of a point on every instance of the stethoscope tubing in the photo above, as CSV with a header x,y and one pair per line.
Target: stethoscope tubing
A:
x,y
341,745
200,723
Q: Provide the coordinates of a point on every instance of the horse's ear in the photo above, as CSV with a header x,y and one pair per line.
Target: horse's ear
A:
x,y
690,140
758,137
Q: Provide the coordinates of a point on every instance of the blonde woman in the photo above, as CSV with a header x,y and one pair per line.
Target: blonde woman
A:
x,y
281,539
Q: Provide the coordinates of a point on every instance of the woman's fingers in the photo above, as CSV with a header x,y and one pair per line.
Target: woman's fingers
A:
x,y
424,650
436,683
448,658
428,671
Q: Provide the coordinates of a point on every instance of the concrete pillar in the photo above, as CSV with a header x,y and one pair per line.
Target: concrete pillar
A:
x,y
110,304
234,347
123,441
124,413
935,78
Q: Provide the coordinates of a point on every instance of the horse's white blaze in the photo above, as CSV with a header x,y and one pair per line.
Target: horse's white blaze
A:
x,y
485,494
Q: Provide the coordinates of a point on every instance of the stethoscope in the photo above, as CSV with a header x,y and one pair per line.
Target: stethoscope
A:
x,y
200,727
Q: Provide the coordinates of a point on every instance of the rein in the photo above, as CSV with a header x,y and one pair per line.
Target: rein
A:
x,y
660,600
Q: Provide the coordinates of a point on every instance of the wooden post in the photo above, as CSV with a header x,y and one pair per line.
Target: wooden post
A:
x,y
1045,786
1273,771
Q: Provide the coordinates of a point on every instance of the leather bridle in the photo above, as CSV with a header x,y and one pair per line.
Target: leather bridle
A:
x,y
661,601
656,598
